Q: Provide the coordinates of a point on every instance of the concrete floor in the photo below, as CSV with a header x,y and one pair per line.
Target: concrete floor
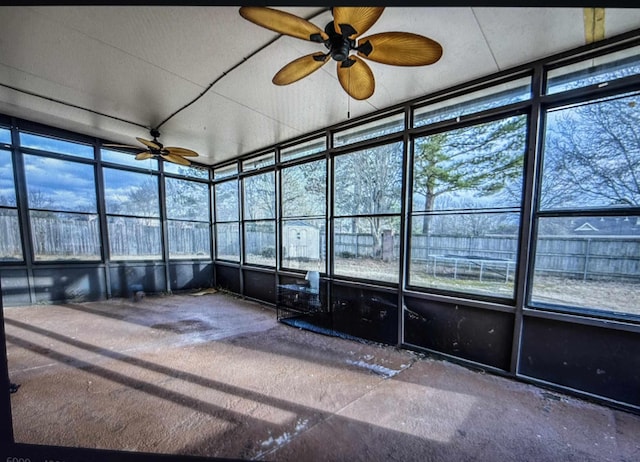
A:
x,y
218,376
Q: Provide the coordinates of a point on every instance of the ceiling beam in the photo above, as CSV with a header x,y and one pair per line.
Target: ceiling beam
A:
x,y
593,25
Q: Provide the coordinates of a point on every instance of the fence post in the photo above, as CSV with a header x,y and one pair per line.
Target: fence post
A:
x,y
586,260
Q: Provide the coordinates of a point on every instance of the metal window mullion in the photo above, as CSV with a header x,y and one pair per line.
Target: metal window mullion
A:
x,y
589,212
277,184
164,227
213,223
526,238
241,225
24,221
405,229
102,218
622,87
213,244
331,167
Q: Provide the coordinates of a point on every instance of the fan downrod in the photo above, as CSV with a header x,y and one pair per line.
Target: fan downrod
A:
x,y
155,134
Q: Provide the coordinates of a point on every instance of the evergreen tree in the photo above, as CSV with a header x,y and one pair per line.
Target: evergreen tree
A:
x,y
482,160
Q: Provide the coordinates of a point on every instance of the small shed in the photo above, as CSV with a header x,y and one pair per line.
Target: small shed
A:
x,y
300,241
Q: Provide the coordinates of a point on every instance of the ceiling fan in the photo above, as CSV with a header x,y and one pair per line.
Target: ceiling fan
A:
x,y
339,37
156,149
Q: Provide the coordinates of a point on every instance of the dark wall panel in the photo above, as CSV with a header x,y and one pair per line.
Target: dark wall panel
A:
x,y
228,278
475,334
15,287
365,313
259,285
69,284
192,275
601,361
150,276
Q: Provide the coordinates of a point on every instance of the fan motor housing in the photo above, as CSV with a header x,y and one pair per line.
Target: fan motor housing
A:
x,y
339,44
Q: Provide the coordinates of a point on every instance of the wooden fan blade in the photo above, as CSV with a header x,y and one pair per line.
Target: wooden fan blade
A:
x,y
400,49
109,145
148,143
298,69
360,18
283,23
144,155
357,80
175,159
184,152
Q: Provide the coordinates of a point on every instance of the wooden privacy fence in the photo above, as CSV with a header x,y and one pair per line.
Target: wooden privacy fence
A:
x,y
585,257
10,245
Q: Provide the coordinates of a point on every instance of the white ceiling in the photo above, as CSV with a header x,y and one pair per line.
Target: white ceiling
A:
x,y
141,64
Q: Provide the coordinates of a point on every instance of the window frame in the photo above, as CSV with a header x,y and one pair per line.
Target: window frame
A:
x,y
484,117
125,216
285,220
553,102
31,211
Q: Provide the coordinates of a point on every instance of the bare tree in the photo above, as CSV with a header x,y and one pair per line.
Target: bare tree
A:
x,y
259,196
39,199
187,200
592,155
304,189
369,184
226,203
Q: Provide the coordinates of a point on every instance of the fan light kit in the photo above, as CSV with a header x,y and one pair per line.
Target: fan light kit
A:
x,y
156,149
339,37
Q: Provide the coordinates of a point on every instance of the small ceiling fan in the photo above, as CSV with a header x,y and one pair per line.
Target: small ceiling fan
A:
x,y
339,37
156,149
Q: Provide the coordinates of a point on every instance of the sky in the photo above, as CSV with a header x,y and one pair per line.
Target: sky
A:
x,y
7,189
66,186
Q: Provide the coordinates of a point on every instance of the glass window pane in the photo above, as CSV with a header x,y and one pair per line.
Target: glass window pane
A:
x,y
594,71
469,168
7,185
65,236
367,248
189,239
123,158
369,181
588,262
44,143
303,149
10,244
226,171
5,136
134,238
186,170
130,193
258,162
55,184
260,242
226,201
259,197
477,101
304,189
304,244
187,200
228,241
367,131
465,252
592,155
